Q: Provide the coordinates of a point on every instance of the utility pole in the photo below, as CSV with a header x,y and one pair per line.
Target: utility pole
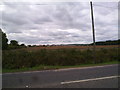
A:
x,y
93,30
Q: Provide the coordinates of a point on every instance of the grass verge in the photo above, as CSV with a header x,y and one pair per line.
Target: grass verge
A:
x,y
42,67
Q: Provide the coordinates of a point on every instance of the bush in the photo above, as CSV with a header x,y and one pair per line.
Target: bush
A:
x,y
13,59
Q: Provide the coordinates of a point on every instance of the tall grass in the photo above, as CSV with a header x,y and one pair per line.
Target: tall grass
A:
x,y
16,59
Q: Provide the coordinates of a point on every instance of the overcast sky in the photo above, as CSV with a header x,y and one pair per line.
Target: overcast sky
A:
x,y
59,23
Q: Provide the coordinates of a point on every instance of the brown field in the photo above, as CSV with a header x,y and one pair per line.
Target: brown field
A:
x,y
67,47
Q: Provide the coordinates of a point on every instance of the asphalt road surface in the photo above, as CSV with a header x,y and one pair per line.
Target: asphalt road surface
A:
x,y
87,77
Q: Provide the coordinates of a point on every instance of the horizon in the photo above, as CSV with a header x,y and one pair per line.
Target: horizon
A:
x,y
66,43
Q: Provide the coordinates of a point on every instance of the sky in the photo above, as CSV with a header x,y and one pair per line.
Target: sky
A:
x,y
59,23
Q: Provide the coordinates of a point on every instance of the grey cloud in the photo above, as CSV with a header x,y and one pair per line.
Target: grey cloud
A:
x,y
42,20
14,19
69,17
39,24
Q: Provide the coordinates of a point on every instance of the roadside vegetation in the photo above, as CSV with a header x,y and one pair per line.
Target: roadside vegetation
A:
x,y
43,67
13,59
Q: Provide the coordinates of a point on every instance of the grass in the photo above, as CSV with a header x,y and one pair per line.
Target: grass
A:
x,y
42,67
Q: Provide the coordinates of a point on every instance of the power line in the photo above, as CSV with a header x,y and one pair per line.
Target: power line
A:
x,y
105,6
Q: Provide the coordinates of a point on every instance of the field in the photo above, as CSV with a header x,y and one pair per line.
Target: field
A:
x,y
70,47
58,55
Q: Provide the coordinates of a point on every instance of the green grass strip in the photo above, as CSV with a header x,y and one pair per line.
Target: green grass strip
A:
x,y
42,67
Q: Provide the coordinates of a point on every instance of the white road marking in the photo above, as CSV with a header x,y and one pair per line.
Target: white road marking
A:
x,y
85,80
84,67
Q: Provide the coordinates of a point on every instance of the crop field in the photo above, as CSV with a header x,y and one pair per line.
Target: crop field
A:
x,y
71,47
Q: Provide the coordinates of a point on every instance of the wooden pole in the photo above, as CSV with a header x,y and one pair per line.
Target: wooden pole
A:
x,y
93,30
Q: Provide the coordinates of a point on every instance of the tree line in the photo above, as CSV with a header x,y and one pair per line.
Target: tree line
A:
x,y
108,42
13,43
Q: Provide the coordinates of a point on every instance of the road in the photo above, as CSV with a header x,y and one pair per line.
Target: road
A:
x,y
88,77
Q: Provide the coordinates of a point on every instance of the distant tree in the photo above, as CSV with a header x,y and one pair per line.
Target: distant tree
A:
x,y
29,46
22,45
34,45
14,43
44,45
4,40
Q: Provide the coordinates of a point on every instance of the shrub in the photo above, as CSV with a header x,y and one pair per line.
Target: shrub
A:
x,y
13,59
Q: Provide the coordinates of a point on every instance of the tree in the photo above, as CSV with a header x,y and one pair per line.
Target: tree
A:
x,y
29,46
22,45
14,43
4,40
